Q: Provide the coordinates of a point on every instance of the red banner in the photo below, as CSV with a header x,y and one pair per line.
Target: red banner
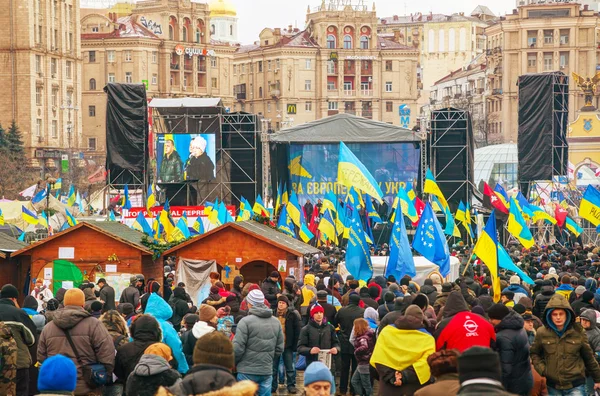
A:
x,y
176,211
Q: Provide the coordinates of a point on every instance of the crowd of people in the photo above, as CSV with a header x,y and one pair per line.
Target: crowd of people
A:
x,y
385,335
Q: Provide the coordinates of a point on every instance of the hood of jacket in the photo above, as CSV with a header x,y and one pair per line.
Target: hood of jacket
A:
x,y
454,304
146,328
151,365
412,319
113,321
547,290
88,292
69,316
201,328
516,289
237,281
526,302
590,315
158,307
309,280
558,302
30,302
427,289
381,281
261,311
512,321
60,294
566,287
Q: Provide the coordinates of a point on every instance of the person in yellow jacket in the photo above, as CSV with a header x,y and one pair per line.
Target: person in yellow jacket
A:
x,y
565,289
309,296
507,298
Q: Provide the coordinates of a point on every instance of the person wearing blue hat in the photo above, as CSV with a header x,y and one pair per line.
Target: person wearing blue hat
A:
x,y
318,380
57,376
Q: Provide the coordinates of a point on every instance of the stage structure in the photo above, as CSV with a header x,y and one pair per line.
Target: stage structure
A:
x,y
451,148
305,157
543,121
201,153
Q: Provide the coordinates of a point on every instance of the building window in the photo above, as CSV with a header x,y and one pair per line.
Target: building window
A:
x,y
331,41
269,65
388,65
127,55
53,67
332,105
213,61
68,65
451,40
214,83
347,42
38,64
260,92
531,38
462,44
154,56
431,40
389,106
92,56
95,29
54,129
154,79
441,40
197,35
92,84
547,62
277,64
92,111
171,33
38,96
307,85
128,77
260,66
231,30
331,86
308,64
388,86
184,31
364,42
564,60
212,29
38,127
92,144
54,96
548,36
111,78
268,107
308,106
110,56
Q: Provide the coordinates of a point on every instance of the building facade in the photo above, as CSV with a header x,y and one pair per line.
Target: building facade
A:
x,y
338,63
164,44
40,75
538,38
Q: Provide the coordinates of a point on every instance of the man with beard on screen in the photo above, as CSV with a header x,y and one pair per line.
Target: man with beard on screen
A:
x,y
199,166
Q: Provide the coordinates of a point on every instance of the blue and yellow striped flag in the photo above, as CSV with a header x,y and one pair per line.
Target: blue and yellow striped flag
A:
x,y
486,249
151,200
28,216
540,214
259,207
1,218
198,226
352,173
43,220
295,211
327,227
305,233
572,226
71,219
373,215
72,196
517,226
431,187
589,208
285,224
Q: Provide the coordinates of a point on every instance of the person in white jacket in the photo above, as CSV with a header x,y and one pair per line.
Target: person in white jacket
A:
x,y
42,294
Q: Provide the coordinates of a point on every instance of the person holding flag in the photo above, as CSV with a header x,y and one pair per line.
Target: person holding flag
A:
x,y
486,249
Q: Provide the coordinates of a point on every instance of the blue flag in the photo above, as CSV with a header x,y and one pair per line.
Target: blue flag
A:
x,y
127,202
198,226
504,261
431,242
285,223
39,196
111,216
401,261
358,257
141,224
183,227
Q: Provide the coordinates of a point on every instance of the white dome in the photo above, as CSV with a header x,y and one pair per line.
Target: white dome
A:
x,y
497,163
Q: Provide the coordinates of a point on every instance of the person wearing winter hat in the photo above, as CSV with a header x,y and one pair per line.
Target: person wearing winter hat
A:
x,y
479,372
442,297
317,335
444,368
30,306
512,345
345,320
257,343
585,301
51,306
180,307
515,287
588,321
387,306
291,326
318,380
131,294
152,371
576,294
330,310
270,288
57,375
96,309
207,323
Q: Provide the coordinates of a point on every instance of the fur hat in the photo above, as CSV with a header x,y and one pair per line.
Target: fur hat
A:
x,y
214,348
207,313
74,297
479,362
284,299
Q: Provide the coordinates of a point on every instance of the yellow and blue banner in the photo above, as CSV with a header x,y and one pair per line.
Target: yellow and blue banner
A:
x,y
305,233
431,187
486,249
406,205
295,210
259,207
28,216
141,224
573,227
327,227
589,208
523,206
72,198
517,226
358,256
71,220
430,241
151,200
1,218
506,262
352,173
400,262
538,213
285,224
198,226
43,219
371,212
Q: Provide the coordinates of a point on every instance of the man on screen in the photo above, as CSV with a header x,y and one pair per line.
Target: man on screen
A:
x,y
199,166
171,166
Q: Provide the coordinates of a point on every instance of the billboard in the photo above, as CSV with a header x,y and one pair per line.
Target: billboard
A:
x,y
185,157
313,167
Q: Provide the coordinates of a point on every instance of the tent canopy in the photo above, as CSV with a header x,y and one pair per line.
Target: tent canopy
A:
x,y
346,128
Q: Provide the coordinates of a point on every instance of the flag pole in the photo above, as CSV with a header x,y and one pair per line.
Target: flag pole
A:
x,y
467,265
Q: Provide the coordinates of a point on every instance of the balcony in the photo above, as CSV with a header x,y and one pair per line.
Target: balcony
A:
x,y
240,96
349,92
366,72
349,71
366,92
332,112
497,91
275,93
332,71
174,66
202,67
367,114
333,91
432,101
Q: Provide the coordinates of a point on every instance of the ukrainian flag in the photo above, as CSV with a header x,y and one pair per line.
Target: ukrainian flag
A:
x,y
278,199
295,211
151,200
327,227
431,187
354,199
517,226
71,219
523,206
407,206
284,195
28,216
142,225
486,249
589,208
373,215
572,226
259,207
461,216
1,217
58,184
329,202
352,173
72,196
166,222
540,214
285,223
451,227
198,226
468,219
182,226
305,233
43,220
126,201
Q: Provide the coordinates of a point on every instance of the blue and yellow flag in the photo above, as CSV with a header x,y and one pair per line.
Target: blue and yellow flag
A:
x,y
259,207
327,227
278,199
295,211
151,200
182,225
329,202
285,223
354,198
506,262
28,216
71,219
352,173
297,169
43,219
72,196
358,256
400,262
464,217
223,214
517,226
198,226
371,212
284,194
39,197
486,249
58,184
573,227
451,227
431,187
502,195
126,200
589,208
523,206
1,218
430,241
167,223
305,234
538,213
406,205
141,224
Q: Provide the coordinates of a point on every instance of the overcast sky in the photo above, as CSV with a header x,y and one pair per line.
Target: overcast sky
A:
x,y
254,15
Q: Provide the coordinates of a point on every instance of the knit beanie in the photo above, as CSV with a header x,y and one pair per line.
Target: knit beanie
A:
x,y
587,296
96,306
214,348
52,304
160,349
126,308
315,309
207,313
30,302
519,308
284,299
509,294
256,297
74,297
9,291
354,299
421,300
479,362
316,372
191,318
515,280
446,287
57,374
373,291
389,297
498,311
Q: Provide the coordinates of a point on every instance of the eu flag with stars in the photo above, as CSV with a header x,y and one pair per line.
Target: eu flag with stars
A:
x,y
431,242
358,257
401,261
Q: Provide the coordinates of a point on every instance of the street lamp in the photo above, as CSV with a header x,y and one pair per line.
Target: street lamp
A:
x,y
50,182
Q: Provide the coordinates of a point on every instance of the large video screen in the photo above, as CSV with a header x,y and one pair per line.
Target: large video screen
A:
x,y
185,157
313,167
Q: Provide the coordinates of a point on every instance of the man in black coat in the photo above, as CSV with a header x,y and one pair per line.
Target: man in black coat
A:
x,y
107,295
290,321
329,309
270,289
317,335
131,294
513,347
345,319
